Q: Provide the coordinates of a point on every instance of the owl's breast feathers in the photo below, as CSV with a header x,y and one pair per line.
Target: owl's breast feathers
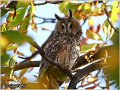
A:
x,y
63,49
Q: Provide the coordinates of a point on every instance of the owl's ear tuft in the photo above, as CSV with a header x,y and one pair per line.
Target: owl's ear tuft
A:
x,y
57,17
69,14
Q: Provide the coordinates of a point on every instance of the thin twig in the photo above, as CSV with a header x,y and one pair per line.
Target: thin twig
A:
x,y
46,20
51,2
109,20
29,58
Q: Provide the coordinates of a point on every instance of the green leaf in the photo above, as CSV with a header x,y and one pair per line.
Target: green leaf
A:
x,y
66,5
25,23
93,35
115,38
5,59
106,27
112,69
6,70
12,62
16,37
11,47
87,47
18,18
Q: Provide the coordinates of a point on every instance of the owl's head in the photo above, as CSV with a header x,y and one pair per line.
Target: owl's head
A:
x,y
67,25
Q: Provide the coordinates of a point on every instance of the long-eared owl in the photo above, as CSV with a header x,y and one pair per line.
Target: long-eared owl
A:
x,y
63,46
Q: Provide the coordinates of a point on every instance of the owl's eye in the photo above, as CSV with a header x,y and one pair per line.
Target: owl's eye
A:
x,y
71,26
62,26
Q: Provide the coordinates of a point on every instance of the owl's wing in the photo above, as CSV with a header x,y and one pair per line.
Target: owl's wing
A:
x,y
43,62
49,39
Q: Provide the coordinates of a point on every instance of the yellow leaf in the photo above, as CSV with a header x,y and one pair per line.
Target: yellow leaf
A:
x,y
53,81
87,6
90,22
115,11
115,4
12,62
93,35
92,79
33,24
24,80
3,42
33,8
86,57
22,72
32,49
35,86
11,47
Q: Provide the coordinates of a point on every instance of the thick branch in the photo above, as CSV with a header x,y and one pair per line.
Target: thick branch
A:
x,y
21,66
27,65
83,72
79,75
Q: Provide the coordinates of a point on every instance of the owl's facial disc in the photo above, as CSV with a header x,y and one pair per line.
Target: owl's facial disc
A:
x,y
66,28
67,25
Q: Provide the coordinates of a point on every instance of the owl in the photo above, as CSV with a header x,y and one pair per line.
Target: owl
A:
x,y
63,47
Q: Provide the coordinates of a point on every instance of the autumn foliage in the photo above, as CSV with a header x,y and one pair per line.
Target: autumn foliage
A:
x,y
100,41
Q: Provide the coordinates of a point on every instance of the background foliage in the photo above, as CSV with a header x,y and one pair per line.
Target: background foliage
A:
x,y
20,15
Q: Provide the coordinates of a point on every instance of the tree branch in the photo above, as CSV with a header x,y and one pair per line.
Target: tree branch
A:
x,y
41,52
83,72
51,2
109,20
82,61
29,58
45,20
21,66
27,65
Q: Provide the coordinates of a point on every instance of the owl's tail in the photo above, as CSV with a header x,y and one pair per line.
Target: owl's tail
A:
x,y
50,78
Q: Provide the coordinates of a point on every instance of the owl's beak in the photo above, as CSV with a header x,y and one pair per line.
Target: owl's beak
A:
x,y
69,31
